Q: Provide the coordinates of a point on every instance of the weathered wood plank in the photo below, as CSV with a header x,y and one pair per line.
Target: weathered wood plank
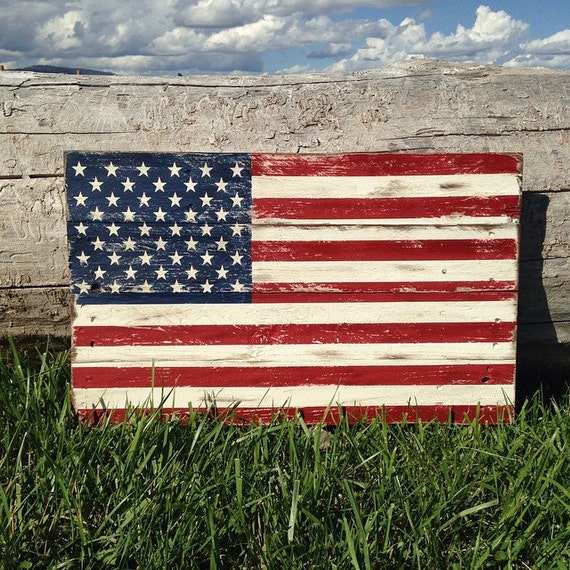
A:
x,y
475,108
33,248
36,311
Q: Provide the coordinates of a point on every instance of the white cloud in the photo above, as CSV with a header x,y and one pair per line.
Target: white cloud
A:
x,y
63,32
230,13
256,36
493,35
169,36
557,44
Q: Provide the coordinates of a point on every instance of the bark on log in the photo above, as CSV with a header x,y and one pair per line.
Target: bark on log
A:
x,y
417,106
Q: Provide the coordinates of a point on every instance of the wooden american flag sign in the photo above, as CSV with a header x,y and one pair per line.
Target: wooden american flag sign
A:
x,y
377,283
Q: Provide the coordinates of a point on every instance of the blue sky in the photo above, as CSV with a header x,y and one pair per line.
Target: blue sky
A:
x,y
165,37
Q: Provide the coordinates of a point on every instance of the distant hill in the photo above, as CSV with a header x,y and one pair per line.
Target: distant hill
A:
x,y
66,70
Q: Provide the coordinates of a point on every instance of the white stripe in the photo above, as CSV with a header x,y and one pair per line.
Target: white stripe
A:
x,y
296,396
297,354
294,313
432,186
381,232
457,220
383,271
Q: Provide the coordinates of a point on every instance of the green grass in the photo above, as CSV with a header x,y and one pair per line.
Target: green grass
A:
x,y
155,494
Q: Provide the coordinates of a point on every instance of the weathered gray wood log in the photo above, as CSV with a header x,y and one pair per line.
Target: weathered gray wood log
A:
x,y
416,106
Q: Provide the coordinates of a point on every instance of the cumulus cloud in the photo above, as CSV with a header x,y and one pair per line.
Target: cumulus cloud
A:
x,y
169,36
229,13
493,35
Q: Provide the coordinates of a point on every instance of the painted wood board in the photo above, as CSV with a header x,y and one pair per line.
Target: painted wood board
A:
x,y
369,282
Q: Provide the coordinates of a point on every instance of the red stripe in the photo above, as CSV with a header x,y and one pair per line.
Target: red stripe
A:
x,y
240,376
293,334
418,250
383,292
384,208
315,415
379,164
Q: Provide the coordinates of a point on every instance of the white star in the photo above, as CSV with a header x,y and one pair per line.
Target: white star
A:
x,y
144,199
177,287
84,287
236,230
206,199
222,272
145,258
99,273
80,198
131,272
160,215
111,169
236,258
174,170
83,258
222,215
237,200
161,273
128,185
146,287
207,259
115,287
159,185
174,200
114,229
221,185
160,243
129,215
143,169
81,229
236,169
205,169
222,244
191,244
98,244
175,229
95,184
96,214
237,287
114,258
129,244
79,169
207,287
191,215
190,185
206,230
112,199
191,272
145,230
175,258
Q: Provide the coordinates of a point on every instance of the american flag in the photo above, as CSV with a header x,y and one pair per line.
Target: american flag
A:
x,y
373,283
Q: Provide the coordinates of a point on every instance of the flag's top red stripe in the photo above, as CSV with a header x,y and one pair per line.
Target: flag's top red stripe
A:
x,y
379,164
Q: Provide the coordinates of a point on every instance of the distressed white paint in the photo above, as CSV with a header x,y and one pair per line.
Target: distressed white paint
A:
x,y
383,271
383,232
296,397
384,187
299,313
300,354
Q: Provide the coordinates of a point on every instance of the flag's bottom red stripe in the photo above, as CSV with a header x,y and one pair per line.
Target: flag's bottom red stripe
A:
x,y
302,376
457,414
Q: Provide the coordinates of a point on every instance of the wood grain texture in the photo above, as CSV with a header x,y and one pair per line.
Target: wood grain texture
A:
x,y
415,107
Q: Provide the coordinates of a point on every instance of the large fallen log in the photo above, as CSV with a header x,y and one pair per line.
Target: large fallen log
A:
x,y
417,107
